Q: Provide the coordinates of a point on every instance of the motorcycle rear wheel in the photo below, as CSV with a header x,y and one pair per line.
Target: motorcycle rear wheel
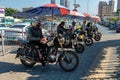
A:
x,y
28,63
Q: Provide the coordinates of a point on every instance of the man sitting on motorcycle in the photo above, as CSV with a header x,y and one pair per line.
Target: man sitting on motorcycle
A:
x,y
89,29
72,29
60,28
35,35
84,27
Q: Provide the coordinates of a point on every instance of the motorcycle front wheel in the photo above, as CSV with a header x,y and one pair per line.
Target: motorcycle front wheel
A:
x,y
68,61
97,38
88,41
79,48
100,34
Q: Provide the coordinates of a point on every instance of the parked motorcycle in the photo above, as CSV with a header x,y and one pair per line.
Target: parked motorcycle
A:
x,y
82,36
95,34
72,42
30,54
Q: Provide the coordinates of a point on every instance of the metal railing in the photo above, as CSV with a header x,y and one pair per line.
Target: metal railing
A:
x,y
8,41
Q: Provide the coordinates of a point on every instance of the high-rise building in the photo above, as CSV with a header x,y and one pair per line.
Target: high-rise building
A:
x,y
111,6
105,9
62,2
67,3
52,1
27,8
102,8
118,4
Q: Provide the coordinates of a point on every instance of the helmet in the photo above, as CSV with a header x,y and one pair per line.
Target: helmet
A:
x,y
34,22
73,22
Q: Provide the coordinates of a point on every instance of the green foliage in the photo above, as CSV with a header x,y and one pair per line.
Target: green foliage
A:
x,y
114,19
118,11
10,11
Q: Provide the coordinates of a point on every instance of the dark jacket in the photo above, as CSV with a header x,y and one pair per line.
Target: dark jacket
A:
x,y
34,34
60,30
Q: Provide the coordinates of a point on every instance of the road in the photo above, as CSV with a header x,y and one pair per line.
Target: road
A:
x,y
12,69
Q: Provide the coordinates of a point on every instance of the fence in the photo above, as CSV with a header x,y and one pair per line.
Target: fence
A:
x,y
9,38
8,41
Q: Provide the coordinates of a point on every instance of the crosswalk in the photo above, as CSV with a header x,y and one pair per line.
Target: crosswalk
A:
x,y
108,67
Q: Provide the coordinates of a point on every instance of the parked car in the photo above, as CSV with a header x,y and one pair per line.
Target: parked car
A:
x,y
118,29
113,26
2,27
19,31
118,22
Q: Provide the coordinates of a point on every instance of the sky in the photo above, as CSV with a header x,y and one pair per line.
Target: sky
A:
x,y
19,4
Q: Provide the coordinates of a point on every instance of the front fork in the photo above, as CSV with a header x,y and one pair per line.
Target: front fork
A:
x,y
20,51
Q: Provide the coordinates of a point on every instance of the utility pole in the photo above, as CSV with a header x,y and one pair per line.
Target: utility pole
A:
x,y
76,5
87,6
119,15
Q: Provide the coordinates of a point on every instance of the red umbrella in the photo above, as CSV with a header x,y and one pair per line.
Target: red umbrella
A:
x,y
47,9
86,14
96,18
61,9
74,13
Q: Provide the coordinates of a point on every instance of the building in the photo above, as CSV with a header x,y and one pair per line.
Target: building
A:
x,y
53,2
102,8
111,6
105,9
67,3
62,2
118,4
25,9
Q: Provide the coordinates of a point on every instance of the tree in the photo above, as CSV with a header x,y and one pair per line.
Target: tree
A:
x,y
10,11
113,19
118,11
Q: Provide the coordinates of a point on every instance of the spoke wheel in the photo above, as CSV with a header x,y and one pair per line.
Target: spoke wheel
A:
x,y
68,61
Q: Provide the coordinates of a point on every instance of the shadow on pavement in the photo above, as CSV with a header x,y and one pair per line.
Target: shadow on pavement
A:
x,y
117,72
54,72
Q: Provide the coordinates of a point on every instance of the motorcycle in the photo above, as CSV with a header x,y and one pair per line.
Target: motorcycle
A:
x,y
30,54
72,42
96,35
82,36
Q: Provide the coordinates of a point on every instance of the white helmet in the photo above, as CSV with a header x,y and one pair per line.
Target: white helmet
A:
x,y
34,23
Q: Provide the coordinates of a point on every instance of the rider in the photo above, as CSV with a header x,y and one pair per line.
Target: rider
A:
x,y
35,36
35,33
73,27
84,27
60,28
89,29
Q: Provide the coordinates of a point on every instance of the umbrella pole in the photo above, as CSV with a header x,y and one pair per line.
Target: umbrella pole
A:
x,y
52,20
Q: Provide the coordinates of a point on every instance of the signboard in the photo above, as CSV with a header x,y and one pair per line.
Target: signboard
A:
x,y
2,12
